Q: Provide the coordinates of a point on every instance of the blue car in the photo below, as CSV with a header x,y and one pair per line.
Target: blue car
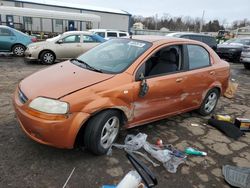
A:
x,y
12,40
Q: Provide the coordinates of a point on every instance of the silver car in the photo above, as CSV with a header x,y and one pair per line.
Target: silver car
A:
x,y
245,57
66,46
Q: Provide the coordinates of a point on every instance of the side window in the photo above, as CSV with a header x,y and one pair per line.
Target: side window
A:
x,y
209,41
122,34
88,39
101,34
72,39
165,61
193,37
5,32
112,34
198,57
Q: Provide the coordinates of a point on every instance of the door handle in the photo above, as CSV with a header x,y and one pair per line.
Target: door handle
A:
x,y
212,73
178,80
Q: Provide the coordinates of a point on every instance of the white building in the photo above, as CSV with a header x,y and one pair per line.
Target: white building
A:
x,y
76,16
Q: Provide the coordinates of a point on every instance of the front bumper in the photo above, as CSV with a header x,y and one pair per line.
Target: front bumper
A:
x,y
57,133
29,56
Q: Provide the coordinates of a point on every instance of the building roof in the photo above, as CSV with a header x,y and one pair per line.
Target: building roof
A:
x,y
75,6
50,14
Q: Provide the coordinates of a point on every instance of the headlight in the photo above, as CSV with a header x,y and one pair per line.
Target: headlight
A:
x,y
34,47
49,105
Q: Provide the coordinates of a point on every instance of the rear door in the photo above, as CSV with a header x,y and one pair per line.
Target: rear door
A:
x,y
7,39
199,77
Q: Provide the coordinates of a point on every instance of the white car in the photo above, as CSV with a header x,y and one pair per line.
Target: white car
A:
x,y
108,33
66,46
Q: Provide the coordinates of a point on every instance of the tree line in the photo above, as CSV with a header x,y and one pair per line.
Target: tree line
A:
x,y
186,23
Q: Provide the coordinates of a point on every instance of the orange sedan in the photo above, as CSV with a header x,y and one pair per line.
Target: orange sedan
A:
x,y
122,82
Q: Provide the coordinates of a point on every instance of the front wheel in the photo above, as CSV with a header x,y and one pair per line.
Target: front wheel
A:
x,y
18,50
101,131
209,103
47,58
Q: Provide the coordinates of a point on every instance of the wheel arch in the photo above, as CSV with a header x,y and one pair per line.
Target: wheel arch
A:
x,y
18,44
79,136
46,50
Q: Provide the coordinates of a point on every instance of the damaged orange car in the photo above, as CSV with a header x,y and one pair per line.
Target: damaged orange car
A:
x,y
120,83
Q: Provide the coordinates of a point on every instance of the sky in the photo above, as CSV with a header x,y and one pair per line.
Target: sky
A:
x,y
224,10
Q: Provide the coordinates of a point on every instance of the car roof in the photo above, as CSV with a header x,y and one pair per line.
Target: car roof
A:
x,y
156,38
104,30
77,32
186,33
4,26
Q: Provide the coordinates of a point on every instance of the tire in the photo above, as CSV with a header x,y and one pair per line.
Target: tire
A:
x,y
247,66
209,103
97,137
47,58
18,50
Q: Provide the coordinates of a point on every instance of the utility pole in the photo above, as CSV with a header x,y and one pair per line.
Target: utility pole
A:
x,y
202,20
156,20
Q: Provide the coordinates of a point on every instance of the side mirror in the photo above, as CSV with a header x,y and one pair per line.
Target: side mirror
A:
x,y
143,86
59,41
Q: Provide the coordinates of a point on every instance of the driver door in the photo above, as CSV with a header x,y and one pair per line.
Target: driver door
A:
x,y
165,91
70,47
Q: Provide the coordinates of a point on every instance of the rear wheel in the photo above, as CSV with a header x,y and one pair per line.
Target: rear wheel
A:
x,y
101,131
18,50
247,65
209,103
47,58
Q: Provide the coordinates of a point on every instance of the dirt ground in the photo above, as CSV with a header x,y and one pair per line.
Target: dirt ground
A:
x,y
25,163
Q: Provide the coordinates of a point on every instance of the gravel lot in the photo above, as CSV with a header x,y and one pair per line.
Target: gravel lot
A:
x,y
25,163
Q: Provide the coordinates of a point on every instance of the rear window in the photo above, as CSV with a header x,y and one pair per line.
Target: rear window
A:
x,y
5,32
112,34
198,57
122,34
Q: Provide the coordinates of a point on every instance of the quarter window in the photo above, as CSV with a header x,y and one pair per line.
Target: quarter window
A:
x,y
198,57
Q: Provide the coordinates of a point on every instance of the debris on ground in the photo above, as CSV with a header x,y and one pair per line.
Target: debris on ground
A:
x,y
231,89
243,124
237,176
166,154
227,128
193,151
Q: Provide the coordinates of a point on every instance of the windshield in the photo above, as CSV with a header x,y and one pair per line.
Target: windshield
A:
x,y
115,55
54,38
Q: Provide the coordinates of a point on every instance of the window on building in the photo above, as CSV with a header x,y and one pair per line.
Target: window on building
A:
x,y
198,57
59,23
27,20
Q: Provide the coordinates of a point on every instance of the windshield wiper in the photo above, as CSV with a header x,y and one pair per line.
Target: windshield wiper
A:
x,y
87,65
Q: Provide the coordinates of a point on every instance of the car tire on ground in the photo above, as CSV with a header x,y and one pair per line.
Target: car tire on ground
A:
x,y
247,66
101,131
18,50
209,103
47,57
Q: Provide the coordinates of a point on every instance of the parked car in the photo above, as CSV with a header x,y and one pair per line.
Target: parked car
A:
x,y
12,40
232,48
120,83
68,45
108,33
207,39
245,57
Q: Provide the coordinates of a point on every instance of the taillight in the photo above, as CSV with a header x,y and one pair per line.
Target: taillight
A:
x,y
34,39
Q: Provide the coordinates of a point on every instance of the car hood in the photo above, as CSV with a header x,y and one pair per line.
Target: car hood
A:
x,y
60,80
